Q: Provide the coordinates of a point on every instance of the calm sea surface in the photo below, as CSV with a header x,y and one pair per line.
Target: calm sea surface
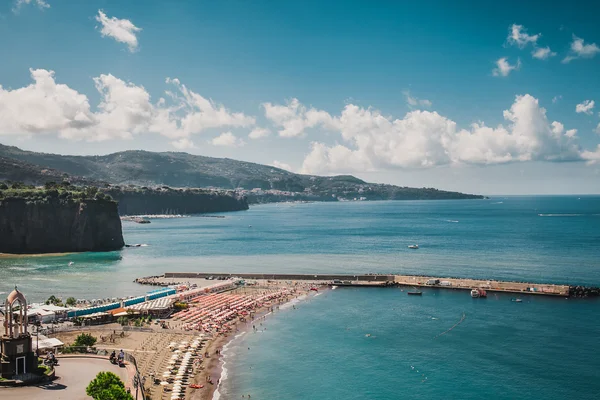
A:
x,y
543,347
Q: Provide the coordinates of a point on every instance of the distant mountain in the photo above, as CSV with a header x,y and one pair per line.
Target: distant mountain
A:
x,y
176,169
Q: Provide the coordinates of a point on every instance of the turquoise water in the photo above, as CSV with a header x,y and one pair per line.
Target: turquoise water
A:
x,y
543,347
545,239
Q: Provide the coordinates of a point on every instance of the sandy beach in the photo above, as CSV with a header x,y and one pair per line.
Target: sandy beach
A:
x,y
212,320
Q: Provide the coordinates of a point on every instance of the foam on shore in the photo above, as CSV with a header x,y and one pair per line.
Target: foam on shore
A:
x,y
224,371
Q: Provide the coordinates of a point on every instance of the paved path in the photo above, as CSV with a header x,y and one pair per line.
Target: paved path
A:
x,y
75,374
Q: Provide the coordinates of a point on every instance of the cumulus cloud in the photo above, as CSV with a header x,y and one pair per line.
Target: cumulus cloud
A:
x,y
414,102
422,139
41,4
294,118
227,139
125,110
517,36
592,157
122,30
258,133
282,165
581,50
183,144
598,129
543,53
571,133
585,107
503,67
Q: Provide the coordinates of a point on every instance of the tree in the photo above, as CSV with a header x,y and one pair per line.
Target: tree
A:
x,y
85,339
54,301
71,301
107,386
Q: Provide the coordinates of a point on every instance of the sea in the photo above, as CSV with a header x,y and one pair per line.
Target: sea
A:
x,y
376,343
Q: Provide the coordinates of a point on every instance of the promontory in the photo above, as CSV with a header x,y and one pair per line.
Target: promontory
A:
x,y
57,219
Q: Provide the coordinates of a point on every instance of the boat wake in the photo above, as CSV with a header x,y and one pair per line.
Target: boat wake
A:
x,y
567,215
453,326
451,220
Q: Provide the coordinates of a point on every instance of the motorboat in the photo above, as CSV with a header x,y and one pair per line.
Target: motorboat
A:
x,y
477,293
517,300
413,246
414,293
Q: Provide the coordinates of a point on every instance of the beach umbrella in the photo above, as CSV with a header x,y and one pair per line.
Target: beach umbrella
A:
x,y
164,383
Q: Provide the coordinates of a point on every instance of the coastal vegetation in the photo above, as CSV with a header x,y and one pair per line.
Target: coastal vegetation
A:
x,y
51,191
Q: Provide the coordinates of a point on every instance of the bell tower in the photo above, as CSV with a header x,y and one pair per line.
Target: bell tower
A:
x,y
16,350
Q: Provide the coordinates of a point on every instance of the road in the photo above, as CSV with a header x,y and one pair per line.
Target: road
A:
x,y
74,376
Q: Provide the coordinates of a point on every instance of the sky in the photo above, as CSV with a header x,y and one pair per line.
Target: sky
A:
x,y
488,97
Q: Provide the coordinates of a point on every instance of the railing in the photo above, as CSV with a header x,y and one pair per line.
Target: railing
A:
x,y
137,379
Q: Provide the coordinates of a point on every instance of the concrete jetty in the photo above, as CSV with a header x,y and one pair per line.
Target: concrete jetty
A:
x,y
170,278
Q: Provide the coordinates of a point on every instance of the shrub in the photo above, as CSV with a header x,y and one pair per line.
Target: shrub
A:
x,y
85,339
71,301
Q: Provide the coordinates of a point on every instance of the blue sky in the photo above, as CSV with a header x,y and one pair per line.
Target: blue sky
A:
x,y
387,91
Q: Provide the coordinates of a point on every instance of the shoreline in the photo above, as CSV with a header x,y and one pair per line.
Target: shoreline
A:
x,y
215,367
36,255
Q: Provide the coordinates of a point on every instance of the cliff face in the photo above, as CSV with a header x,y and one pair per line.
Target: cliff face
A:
x,y
173,201
57,226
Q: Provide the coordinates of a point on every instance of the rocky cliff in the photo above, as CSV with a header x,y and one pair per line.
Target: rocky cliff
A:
x,y
140,201
55,225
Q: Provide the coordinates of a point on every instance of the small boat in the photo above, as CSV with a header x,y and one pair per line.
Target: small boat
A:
x,y
413,246
477,293
517,300
414,293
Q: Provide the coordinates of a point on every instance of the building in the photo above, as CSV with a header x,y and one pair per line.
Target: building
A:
x,y
16,350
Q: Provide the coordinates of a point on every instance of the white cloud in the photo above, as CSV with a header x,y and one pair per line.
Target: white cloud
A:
x,y
543,53
517,35
555,99
125,110
122,30
571,133
294,117
258,133
201,113
20,3
426,139
585,107
503,67
282,165
581,50
592,157
414,102
183,143
598,129
227,139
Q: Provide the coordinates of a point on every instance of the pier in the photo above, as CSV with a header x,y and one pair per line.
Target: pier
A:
x,y
374,280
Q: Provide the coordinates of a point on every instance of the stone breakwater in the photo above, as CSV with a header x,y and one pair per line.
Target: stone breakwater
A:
x,y
582,291
171,278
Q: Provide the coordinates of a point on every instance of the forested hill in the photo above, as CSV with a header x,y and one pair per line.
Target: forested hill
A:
x,y
176,169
